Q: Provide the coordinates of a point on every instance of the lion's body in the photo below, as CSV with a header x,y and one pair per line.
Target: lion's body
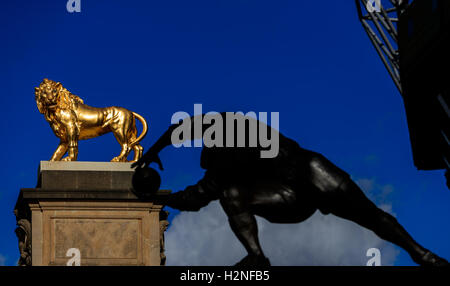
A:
x,y
72,120
96,121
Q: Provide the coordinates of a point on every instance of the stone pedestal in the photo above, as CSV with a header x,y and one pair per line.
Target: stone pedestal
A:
x,y
89,207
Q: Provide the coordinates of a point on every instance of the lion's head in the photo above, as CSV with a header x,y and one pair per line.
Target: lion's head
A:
x,y
52,95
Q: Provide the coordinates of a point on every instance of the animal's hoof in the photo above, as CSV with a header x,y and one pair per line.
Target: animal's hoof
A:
x,y
115,159
431,259
254,261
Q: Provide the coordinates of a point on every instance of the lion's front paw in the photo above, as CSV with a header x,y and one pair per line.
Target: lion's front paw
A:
x,y
68,159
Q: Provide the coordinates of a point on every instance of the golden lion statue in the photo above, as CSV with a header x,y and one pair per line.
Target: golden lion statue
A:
x,y
72,120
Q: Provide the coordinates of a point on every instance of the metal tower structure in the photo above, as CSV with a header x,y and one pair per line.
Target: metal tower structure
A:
x,y
379,19
412,39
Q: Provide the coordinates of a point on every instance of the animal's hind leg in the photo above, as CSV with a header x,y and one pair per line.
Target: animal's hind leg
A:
x,y
122,139
138,151
349,202
137,148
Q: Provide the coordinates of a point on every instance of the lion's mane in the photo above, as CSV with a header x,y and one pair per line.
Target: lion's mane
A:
x,y
65,100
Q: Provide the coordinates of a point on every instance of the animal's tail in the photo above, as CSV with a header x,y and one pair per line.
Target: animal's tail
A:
x,y
144,129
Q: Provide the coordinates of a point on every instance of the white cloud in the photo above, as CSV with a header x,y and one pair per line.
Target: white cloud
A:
x,y
205,238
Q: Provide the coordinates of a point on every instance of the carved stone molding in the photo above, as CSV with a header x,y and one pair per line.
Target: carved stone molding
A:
x,y
163,225
23,232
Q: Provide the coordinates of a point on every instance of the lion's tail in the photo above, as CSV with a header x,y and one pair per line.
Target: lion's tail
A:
x,y
144,129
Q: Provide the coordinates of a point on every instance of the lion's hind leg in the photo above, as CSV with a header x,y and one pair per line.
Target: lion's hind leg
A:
x,y
138,152
124,128
132,136
123,141
137,148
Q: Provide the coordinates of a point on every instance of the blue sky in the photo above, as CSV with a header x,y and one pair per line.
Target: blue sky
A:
x,y
307,60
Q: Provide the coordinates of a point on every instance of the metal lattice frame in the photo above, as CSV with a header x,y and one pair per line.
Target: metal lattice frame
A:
x,y
378,22
446,109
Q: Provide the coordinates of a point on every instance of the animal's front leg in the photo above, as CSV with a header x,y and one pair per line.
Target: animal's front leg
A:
x,y
60,151
72,139
72,154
